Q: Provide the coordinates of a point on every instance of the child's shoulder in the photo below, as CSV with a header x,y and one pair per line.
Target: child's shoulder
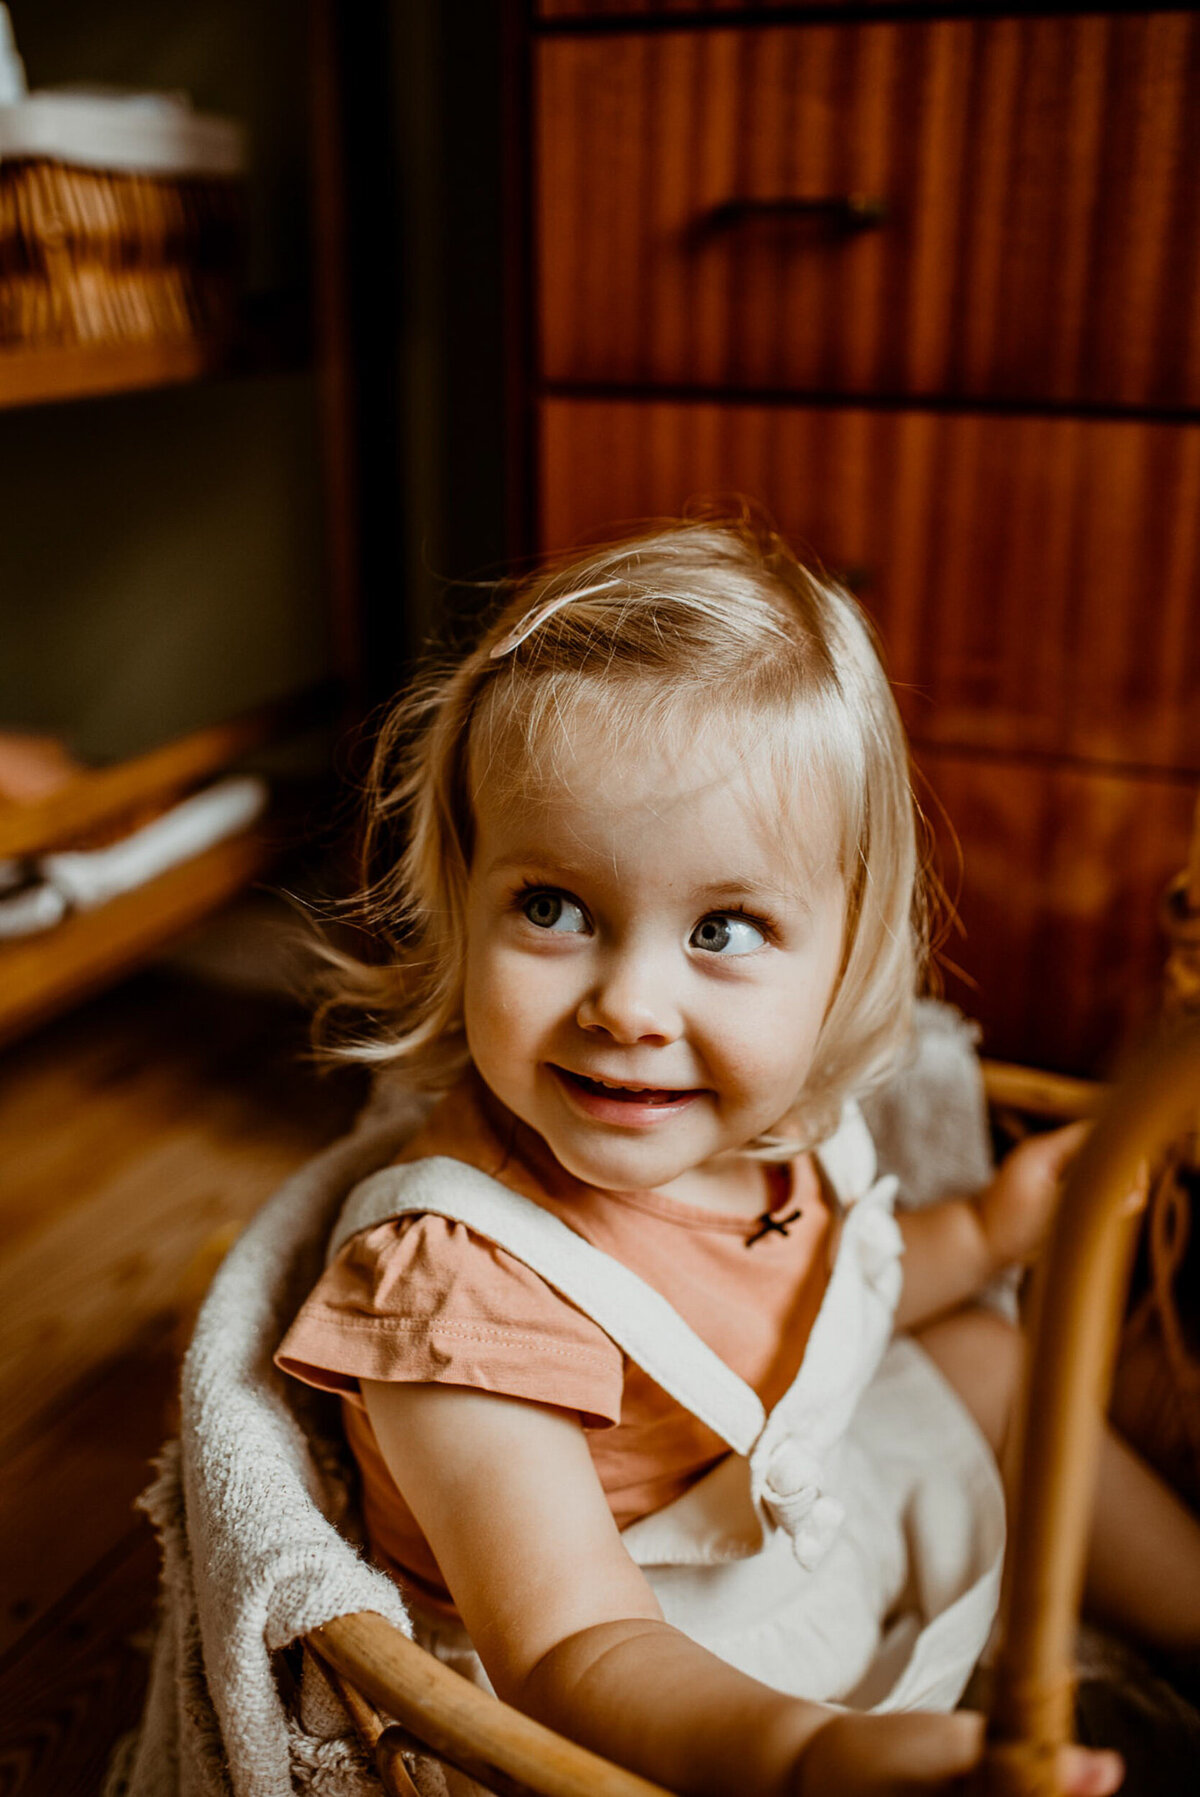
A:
x,y
467,1169
461,1126
413,1291
420,1296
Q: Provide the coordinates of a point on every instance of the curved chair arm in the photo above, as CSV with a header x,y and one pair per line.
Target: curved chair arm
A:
x,y
1034,1093
448,1716
1078,1301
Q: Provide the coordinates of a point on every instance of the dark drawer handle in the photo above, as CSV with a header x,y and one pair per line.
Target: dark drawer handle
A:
x,y
846,212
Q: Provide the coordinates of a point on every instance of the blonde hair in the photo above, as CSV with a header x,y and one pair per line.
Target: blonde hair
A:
x,y
663,629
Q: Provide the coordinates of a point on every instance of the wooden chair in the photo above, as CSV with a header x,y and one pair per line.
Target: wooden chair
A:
x,y
402,1699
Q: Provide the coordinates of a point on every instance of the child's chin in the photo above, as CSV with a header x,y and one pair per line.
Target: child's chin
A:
x,y
620,1172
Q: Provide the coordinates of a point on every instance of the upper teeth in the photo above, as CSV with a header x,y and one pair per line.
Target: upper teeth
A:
x,y
620,1086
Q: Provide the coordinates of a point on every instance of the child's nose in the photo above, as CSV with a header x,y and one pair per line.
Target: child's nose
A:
x,y
630,1001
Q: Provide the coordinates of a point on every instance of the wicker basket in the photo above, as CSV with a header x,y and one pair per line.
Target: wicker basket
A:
x,y
121,221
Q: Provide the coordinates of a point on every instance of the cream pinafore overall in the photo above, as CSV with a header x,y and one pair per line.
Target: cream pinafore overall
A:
x,y
848,1548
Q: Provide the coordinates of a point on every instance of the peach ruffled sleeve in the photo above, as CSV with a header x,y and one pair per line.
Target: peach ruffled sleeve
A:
x,y
421,1298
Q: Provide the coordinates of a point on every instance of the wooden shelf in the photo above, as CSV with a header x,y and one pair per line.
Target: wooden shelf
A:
x,y
41,975
296,327
272,333
103,795
30,377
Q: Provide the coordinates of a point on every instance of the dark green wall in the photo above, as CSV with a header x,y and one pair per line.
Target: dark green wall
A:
x,y
161,553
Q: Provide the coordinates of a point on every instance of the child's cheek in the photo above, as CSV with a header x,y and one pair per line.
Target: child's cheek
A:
x,y
505,993
485,1000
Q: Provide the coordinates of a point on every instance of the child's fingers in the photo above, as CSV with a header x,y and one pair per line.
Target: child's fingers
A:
x,y
1062,1145
1083,1772
929,1756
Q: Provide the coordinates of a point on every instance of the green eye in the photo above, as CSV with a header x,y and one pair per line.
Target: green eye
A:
x,y
554,911
726,933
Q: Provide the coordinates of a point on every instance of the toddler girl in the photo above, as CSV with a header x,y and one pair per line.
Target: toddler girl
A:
x,y
665,1424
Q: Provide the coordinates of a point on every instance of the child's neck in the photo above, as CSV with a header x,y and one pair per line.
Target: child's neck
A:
x,y
731,1186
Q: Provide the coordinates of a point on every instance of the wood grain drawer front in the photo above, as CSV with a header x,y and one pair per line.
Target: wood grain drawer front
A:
x,y
1034,579
1059,873
706,208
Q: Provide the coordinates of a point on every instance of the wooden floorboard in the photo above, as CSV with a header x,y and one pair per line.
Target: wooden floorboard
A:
x,y
136,1137
79,1685
68,1495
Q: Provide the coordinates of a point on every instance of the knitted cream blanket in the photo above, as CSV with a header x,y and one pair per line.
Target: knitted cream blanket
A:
x,y
243,1505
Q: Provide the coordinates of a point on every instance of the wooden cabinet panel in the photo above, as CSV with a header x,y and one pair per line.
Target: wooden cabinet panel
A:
x,y
1058,892
1041,179
1034,579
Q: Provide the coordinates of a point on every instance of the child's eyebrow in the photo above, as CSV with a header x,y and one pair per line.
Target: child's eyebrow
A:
x,y
525,858
731,889
736,888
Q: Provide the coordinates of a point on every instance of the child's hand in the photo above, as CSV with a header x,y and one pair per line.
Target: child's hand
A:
x,y
1016,1209
886,1756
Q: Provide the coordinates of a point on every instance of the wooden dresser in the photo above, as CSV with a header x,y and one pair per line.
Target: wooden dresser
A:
x,y
925,283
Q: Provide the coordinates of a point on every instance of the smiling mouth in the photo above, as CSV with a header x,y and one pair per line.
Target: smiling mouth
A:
x,y
599,1088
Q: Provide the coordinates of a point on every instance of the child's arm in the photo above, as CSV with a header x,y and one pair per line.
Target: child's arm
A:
x,y
952,1250
570,1632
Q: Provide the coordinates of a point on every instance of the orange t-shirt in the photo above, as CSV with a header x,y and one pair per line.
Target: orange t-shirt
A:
x,y
423,1298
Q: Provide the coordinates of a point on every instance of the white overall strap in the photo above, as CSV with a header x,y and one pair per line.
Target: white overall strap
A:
x,y
854,1323
636,1317
848,1155
789,1470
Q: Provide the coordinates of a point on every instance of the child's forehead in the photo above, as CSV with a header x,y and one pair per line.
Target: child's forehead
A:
x,y
584,750
581,772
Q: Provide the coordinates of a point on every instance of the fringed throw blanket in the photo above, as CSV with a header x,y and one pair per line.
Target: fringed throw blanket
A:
x,y
243,1505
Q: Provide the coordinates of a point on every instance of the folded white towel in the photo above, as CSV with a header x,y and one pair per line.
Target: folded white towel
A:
x,y
28,910
87,877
